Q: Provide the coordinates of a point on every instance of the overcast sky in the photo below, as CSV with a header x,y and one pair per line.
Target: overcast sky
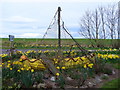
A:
x,y
30,18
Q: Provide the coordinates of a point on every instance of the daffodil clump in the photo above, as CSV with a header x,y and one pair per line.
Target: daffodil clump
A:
x,y
68,63
30,64
19,52
20,66
88,65
3,55
110,49
63,67
30,51
108,56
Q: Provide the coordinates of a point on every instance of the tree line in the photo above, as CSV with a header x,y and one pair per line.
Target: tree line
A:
x,y
101,23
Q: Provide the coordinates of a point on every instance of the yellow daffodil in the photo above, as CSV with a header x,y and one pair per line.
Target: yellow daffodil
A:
x,y
36,66
21,60
57,74
85,66
58,67
27,69
10,68
8,61
90,65
115,49
32,70
56,62
22,69
63,67
25,65
0,65
18,71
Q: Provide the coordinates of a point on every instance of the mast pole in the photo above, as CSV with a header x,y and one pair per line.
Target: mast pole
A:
x,y
59,32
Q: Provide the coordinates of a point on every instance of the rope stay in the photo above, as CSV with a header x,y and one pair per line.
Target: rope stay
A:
x,y
64,31
51,24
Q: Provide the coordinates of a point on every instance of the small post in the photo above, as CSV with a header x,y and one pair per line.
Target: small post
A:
x,y
11,39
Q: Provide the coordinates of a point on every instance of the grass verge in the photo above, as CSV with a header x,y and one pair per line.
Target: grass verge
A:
x,y
112,84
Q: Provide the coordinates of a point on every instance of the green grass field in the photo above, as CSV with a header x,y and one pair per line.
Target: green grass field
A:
x,y
112,84
29,43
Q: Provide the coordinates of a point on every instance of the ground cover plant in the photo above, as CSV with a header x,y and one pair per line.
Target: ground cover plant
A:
x,y
27,69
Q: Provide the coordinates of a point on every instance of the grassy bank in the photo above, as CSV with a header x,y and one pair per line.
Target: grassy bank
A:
x,y
112,84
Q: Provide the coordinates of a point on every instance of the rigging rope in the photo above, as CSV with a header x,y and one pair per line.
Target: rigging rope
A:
x,y
79,46
51,24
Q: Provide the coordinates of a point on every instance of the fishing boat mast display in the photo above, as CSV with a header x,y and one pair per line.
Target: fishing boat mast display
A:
x,y
60,28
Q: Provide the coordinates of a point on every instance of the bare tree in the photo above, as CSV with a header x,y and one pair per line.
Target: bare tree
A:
x,y
101,23
95,24
118,29
111,23
85,25
90,25
102,16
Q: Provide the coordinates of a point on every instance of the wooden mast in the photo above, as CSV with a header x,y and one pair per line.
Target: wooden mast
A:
x,y
59,32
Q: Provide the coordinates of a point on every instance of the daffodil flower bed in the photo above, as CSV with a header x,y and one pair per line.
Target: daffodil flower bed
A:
x,y
34,54
67,62
25,71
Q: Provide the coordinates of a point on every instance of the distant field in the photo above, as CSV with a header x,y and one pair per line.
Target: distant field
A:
x,y
36,42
